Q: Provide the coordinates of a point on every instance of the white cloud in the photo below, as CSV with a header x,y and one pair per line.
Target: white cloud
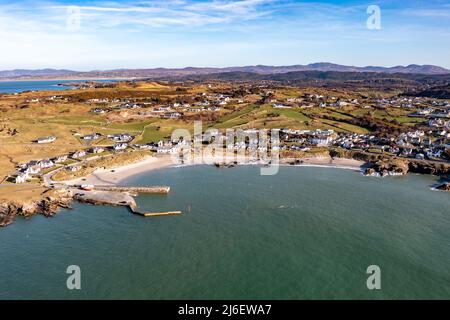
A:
x,y
427,13
216,33
170,13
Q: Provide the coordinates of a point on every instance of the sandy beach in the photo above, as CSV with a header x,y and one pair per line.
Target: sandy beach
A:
x,y
118,175
341,163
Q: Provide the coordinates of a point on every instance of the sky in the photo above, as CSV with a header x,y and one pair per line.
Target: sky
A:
x,y
100,35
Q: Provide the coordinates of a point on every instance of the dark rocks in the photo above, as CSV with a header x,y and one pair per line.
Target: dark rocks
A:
x,y
388,167
47,207
8,214
425,167
444,187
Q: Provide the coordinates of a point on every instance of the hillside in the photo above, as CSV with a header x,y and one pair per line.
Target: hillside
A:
x,y
438,92
157,73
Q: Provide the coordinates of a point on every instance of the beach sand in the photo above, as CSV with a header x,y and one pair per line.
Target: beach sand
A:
x,y
341,163
118,175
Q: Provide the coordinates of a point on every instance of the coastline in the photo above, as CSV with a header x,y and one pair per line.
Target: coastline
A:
x,y
65,79
115,176
65,192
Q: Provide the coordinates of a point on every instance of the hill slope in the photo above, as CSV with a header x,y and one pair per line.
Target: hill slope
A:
x,y
259,69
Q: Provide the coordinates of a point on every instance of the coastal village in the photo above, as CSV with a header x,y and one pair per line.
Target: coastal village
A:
x,y
428,139
115,125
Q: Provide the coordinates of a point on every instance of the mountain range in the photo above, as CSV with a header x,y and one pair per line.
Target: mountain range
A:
x,y
160,73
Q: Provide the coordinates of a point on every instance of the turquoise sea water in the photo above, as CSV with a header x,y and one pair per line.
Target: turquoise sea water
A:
x,y
36,85
306,233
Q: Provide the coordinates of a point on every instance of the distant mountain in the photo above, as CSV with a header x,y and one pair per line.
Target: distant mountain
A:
x,y
325,66
411,82
35,73
160,73
314,75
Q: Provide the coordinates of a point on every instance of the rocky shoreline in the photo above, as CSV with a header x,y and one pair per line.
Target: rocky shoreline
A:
x,y
376,165
47,207
444,187
55,199
387,167
384,165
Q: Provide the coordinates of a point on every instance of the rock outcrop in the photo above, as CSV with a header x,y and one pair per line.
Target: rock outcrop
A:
x,y
388,166
429,167
48,207
382,164
444,187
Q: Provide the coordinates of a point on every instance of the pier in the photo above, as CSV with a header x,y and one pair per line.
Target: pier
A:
x,y
136,211
105,198
122,196
135,190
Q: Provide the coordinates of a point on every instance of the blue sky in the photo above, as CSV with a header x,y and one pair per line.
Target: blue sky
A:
x,y
217,33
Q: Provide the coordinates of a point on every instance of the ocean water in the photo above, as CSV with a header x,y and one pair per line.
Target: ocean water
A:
x,y
37,85
306,233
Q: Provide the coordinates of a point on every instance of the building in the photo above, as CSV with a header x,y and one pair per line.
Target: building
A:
x,y
142,146
48,139
60,159
90,137
79,154
98,110
168,150
21,178
281,106
170,115
321,140
32,169
120,146
46,164
97,150
122,137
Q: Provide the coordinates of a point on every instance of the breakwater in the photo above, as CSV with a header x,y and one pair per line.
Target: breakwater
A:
x,y
135,190
122,196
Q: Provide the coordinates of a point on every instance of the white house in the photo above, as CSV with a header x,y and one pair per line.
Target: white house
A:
x,y
281,106
166,150
123,137
79,154
91,137
21,178
97,150
60,159
98,111
32,170
48,139
73,168
46,164
171,115
120,146
320,140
